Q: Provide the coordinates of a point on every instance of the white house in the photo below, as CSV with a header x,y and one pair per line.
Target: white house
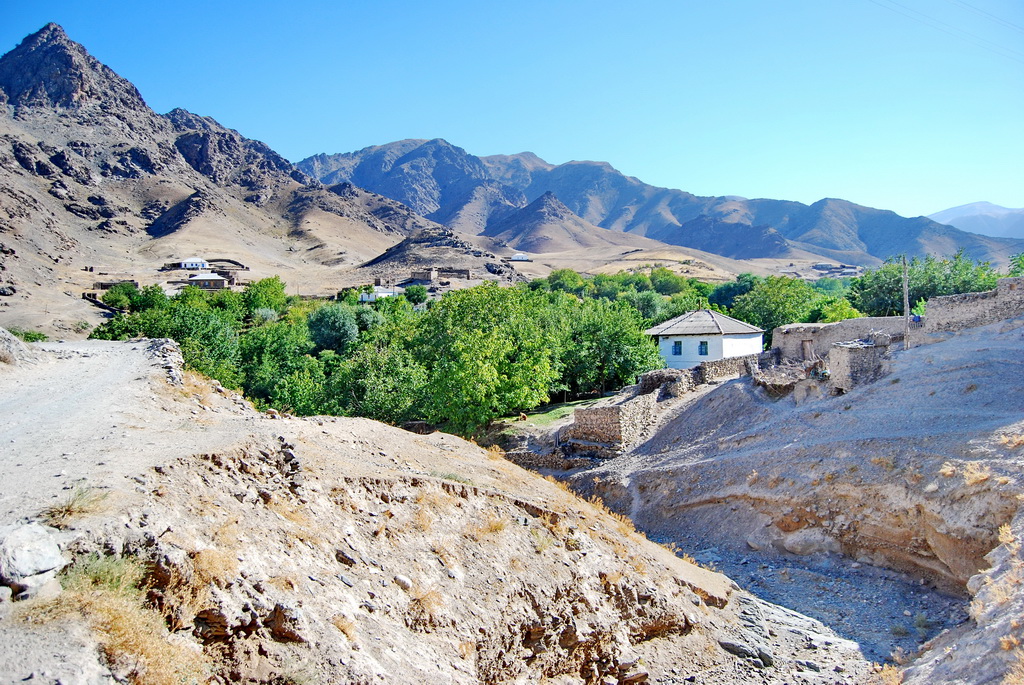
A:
x,y
380,292
194,263
520,257
704,335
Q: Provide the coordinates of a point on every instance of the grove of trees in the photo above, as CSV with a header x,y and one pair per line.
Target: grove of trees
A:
x,y
488,351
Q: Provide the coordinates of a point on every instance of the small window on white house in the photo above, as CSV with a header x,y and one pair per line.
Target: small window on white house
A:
x,y
677,348
702,348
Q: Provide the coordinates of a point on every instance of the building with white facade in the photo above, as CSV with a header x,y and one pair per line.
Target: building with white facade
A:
x,y
704,335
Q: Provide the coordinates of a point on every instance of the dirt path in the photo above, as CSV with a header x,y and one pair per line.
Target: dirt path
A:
x,y
99,430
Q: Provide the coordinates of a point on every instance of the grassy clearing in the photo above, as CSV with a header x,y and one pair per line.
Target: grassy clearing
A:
x,y
545,416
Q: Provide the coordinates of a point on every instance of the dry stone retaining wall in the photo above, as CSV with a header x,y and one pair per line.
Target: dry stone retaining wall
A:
x,y
606,430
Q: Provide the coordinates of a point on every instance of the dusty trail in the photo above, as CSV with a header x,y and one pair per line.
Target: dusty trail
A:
x,y
107,422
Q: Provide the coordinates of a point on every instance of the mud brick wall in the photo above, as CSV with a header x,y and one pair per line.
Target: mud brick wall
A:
x,y
956,312
853,365
788,339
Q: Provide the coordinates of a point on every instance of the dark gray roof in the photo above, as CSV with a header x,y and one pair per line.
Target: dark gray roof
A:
x,y
702,322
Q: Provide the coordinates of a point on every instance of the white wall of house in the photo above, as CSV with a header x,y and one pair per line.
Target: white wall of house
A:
x,y
718,347
740,345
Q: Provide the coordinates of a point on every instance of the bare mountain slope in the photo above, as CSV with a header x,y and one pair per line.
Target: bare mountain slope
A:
x,y
91,176
546,225
438,176
339,550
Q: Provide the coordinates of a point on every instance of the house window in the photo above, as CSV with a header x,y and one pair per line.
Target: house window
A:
x,y
677,348
702,348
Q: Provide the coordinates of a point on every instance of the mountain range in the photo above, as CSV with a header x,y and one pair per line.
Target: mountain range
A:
x,y
985,218
95,185
478,195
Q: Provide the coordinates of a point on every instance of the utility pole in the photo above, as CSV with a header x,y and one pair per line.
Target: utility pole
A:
x,y
906,304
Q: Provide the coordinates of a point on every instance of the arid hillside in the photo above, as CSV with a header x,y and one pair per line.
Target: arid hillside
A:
x,y
274,549
920,472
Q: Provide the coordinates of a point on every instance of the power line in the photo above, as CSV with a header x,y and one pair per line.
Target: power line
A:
x,y
948,29
988,15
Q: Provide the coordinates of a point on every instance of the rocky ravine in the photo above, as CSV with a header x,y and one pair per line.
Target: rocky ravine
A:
x,y
333,550
920,472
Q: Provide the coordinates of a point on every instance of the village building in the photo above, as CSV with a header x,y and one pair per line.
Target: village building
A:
x,y
193,263
705,335
208,281
520,257
379,292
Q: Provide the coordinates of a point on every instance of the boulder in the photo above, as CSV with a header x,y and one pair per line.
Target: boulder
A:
x,y
27,550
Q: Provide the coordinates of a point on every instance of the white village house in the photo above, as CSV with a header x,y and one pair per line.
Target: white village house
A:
x,y
704,335
194,263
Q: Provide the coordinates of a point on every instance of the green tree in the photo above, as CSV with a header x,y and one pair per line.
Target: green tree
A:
x,y
270,353
775,301
606,347
568,281
879,292
416,294
381,380
121,296
832,309
267,292
1017,265
725,294
650,304
487,356
333,327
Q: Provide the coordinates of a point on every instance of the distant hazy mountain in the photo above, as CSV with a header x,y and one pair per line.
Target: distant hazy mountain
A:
x,y
984,218
90,175
476,194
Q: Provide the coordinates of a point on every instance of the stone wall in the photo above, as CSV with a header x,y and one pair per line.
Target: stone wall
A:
x,y
956,312
788,339
608,429
718,369
855,363
616,426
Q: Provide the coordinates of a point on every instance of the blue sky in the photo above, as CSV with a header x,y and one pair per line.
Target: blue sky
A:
x,y
909,105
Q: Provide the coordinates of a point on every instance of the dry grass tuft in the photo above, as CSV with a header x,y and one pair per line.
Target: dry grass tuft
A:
x,y
1015,674
1008,642
975,473
346,625
214,567
466,650
887,463
107,593
81,501
425,607
493,524
889,675
541,540
948,470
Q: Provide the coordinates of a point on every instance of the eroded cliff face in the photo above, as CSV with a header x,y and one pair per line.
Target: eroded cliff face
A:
x,y
921,471
276,549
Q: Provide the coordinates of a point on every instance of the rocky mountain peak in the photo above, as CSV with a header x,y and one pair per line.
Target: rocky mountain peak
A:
x,y
548,207
48,69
